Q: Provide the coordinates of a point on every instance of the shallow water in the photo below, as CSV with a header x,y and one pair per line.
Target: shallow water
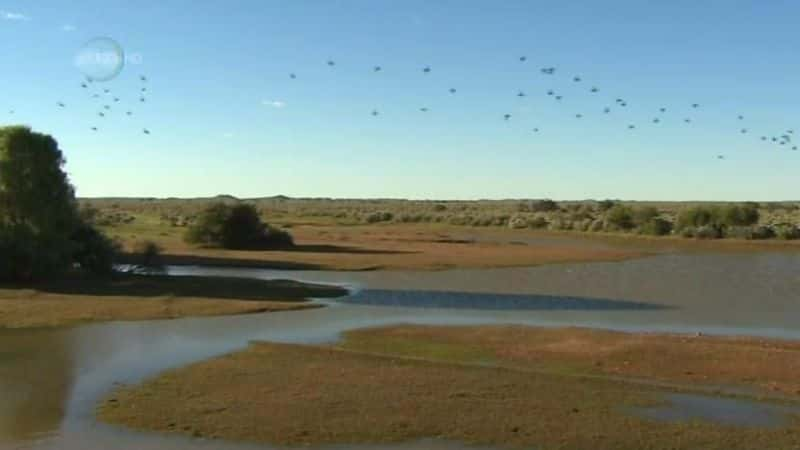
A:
x,y
687,408
50,380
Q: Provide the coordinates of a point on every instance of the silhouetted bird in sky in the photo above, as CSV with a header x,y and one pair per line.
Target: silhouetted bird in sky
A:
x,y
144,89
619,100
606,110
116,99
101,114
559,97
331,63
292,76
129,113
687,120
106,107
631,126
623,104
375,112
535,130
506,116
60,104
744,130
656,120
452,90
141,99
146,131
523,58
94,128
106,91
426,70
695,105
741,117
377,68
424,109
578,116
663,110
577,79
594,90
520,94
143,78
549,70
96,96
550,92
720,156
763,138
84,85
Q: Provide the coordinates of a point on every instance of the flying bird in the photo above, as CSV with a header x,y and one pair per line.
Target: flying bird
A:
x,y
129,113
106,91
631,127
578,116
101,114
424,109
506,116
452,90
656,120
662,110
331,63
94,128
116,99
549,70
559,97
141,99
687,120
146,131
550,92
594,90
520,94
720,156
523,58
695,105
60,104
741,117
577,79
606,110
535,130
106,107
374,112
427,69
376,68
143,78
292,76
84,85
744,130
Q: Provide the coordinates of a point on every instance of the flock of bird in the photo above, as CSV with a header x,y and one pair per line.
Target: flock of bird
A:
x,y
107,101
783,138
110,102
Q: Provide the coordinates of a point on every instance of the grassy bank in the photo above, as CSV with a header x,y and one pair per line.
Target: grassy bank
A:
x,y
503,386
73,300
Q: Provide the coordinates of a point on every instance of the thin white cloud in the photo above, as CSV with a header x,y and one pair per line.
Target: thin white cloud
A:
x,y
68,28
6,15
273,103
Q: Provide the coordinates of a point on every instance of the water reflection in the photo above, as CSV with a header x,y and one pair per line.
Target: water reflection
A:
x,y
490,302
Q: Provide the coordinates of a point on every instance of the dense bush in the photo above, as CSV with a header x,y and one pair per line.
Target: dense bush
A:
x,y
787,232
620,217
656,226
236,227
545,205
42,232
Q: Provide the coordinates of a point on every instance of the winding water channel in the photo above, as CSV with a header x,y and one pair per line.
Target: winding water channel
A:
x,y
50,379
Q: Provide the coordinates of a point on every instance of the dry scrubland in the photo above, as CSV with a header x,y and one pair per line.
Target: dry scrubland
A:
x,y
504,386
74,300
397,234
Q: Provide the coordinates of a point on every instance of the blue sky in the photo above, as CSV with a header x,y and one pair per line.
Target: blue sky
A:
x,y
225,117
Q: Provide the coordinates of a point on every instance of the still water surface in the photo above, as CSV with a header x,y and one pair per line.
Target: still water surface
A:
x,y
51,379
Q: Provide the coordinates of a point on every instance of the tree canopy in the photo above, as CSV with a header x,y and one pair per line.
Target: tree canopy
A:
x,y
41,232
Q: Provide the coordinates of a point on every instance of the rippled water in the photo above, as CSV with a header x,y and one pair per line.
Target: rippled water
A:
x,y
51,379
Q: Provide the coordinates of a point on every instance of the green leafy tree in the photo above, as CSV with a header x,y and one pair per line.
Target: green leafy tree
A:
x,y
41,232
236,227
